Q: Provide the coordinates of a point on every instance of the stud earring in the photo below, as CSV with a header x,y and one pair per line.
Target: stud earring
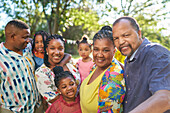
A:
x,y
47,53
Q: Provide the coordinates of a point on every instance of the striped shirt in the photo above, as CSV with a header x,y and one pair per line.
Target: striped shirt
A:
x,y
18,90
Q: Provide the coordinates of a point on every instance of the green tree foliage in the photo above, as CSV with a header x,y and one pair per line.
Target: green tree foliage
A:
x,y
54,16
150,30
24,10
147,13
65,14
2,35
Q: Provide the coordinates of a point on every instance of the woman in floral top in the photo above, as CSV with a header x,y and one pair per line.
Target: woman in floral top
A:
x,y
54,54
104,88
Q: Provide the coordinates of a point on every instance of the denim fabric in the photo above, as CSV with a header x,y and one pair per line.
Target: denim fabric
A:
x,y
148,72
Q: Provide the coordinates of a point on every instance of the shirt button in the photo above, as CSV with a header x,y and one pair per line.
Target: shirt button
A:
x,y
128,88
127,75
125,101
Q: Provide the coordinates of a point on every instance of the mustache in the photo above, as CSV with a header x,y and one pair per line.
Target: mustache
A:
x,y
122,45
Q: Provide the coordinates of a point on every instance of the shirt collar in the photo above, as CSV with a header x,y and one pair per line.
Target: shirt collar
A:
x,y
133,55
6,51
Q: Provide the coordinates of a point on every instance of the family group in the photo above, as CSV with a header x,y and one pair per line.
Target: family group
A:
x,y
37,76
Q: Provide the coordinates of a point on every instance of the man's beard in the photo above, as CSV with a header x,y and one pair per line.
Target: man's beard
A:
x,y
128,55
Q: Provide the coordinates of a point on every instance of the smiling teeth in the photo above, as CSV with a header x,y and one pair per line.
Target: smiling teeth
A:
x,y
70,93
100,60
56,57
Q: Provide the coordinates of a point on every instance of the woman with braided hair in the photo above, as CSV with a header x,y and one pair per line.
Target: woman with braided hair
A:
x,y
53,56
104,88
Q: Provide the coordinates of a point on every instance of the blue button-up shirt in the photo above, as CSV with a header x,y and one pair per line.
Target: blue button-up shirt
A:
x,y
146,73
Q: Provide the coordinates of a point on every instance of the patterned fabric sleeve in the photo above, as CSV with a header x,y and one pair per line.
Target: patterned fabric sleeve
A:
x,y
112,90
75,72
45,83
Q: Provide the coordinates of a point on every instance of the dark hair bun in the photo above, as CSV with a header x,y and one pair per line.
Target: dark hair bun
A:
x,y
57,70
84,38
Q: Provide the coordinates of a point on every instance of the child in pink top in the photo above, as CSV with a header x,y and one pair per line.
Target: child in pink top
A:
x,y
84,68
86,63
68,101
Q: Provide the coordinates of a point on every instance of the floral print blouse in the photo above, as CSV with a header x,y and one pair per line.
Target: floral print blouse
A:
x,y
112,89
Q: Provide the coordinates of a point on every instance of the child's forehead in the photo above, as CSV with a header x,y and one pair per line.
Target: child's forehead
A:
x,y
84,45
66,79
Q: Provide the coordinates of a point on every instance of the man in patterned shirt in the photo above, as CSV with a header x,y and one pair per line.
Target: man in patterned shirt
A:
x,y
18,90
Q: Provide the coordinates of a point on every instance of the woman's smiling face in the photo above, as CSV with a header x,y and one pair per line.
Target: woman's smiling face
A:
x,y
103,52
55,51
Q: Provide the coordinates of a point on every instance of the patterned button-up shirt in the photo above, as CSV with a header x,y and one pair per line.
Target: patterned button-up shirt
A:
x,y
18,91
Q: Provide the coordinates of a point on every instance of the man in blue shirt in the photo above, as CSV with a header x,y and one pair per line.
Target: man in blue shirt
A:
x,y
18,90
147,69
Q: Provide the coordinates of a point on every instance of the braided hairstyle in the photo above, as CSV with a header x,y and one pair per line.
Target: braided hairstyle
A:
x,y
105,32
84,40
61,74
44,36
51,37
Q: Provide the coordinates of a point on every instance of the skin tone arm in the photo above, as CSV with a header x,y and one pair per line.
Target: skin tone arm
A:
x,y
157,103
45,104
66,59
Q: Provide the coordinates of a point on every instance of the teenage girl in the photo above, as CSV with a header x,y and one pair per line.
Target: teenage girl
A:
x,y
86,63
66,85
38,49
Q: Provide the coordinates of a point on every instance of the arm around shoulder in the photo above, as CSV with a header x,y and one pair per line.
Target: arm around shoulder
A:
x,y
159,102
66,59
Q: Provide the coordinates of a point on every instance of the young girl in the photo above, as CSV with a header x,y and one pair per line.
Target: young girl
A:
x,y
67,88
86,63
38,47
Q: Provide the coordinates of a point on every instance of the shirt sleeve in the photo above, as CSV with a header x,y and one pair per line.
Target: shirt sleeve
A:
x,y
29,46
45,86
51,109
75,72
55,107
159,71
1,70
